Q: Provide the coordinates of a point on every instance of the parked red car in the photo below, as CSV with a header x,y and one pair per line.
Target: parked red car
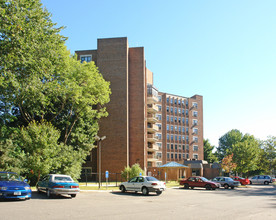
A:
x,y
198,181
243,181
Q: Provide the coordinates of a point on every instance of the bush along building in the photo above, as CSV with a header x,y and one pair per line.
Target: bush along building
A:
x,y
144,126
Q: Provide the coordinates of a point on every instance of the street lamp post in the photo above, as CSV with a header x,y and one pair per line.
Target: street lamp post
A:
x,y
99,140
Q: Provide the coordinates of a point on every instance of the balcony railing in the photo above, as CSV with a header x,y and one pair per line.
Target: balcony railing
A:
x,y
152,108
153,147
152,138
151,118
152,128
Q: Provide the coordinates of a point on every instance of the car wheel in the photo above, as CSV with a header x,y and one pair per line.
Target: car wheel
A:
x,y
226,186
158,192
123,189
145,191
192,187
266,183
49,195
208,187
232,187
186,186
73,195
250,182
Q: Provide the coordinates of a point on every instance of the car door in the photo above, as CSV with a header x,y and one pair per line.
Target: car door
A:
x,y
130,184
139,184
260,180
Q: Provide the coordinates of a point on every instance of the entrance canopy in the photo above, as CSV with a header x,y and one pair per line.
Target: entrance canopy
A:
x,y
174,164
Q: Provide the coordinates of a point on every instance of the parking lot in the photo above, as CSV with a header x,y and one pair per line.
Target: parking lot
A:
x,y
253,202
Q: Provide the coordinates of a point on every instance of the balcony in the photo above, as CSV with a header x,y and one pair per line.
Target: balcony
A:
x,y
152,128
153,147
152,138
152,108
151,99
151,118
152,158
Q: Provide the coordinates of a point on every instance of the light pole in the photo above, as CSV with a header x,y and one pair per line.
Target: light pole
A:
x,y
99,140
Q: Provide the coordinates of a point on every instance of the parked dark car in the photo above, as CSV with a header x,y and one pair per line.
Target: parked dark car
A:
x,y
13,186
198,181
226,182
58,184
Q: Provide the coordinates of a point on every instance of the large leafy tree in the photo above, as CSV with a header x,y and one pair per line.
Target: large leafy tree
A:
x,y
246,154
42,84
208,152
267,162
227,141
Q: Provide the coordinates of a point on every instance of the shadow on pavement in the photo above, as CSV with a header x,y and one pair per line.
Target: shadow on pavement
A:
x,y
119,193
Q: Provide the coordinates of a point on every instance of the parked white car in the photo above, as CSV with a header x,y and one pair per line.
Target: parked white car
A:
x,y
144,184
260,179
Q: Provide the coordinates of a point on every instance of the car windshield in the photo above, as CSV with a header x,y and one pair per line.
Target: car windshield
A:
x,y
10,177
62,179
204,179
150,178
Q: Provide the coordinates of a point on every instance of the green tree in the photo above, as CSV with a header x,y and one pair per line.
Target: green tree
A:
x,y
246,154
227,141
41,82
133,171
208,152
267,162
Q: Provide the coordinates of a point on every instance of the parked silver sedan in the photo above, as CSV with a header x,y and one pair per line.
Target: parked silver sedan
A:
x,y
144,184
226,182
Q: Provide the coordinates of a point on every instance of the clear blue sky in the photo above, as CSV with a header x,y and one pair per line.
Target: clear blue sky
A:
x,y
220,49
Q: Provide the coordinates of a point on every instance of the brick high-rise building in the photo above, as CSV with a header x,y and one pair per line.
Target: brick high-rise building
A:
x,y
144,125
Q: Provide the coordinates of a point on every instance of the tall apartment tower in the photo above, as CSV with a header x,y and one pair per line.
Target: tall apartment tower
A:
x,y
144,125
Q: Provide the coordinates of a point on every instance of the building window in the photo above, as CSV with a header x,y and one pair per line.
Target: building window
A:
x,y
159,117
168,155
159,108
195,148
159,98
194,122
86,58
183,129
168,137
171,146
187,156
171,156
183,121
183,155
183,138
175,147
187,121
175,119
179,128
179,147
175,101
179,102
187,130
171,127
195,104
168,146
179,111
159,136
175,138
175,110
195,113
183,111
179,120
183,147
172,137
179,138
172,119
159,127
195,156
168,109
195,139
187,147
168,100
175,128
187,103
168,118
175,156
195,130
171,109
179,156
171,100
168,127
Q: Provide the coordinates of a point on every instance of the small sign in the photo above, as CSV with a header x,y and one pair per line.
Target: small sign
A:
x,y
140,174
106,174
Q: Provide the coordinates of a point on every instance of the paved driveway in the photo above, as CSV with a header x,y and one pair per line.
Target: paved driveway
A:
x,y
256,202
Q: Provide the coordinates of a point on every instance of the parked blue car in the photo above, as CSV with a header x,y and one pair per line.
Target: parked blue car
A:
x,y
58,184
13,186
